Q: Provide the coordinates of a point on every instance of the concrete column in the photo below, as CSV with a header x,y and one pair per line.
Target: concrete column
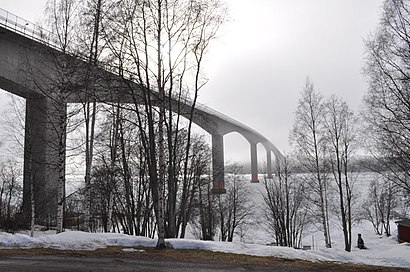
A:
x,y
218,170
254,163
269,163
40,159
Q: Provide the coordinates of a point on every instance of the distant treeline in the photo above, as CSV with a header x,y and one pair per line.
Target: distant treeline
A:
x,y
359,164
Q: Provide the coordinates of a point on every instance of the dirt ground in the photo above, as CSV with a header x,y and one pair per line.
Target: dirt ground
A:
x,y
198,256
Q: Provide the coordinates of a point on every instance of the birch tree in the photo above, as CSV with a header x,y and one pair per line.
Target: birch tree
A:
x,y
309,140
158,45
57,87
90,40
341,130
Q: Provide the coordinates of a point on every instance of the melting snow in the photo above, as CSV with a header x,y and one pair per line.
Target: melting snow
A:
x,y
382,251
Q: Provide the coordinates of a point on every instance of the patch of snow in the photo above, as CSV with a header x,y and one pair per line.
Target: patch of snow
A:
x,y
382,251
132,250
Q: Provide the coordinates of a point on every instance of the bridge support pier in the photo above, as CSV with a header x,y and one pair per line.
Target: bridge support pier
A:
x,y
218,169
269,164
40,161
254,163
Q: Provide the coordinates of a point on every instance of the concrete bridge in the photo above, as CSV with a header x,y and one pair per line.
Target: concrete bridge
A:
x,y
28,66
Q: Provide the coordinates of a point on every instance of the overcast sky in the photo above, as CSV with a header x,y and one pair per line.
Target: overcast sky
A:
x,y
267,49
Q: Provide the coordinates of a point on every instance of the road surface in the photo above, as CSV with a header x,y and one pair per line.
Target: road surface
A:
x,y
158,260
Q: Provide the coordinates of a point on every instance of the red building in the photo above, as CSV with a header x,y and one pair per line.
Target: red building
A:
x,y
403,230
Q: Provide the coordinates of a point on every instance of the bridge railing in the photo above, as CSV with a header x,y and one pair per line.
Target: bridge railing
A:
x,y
26,28
32,31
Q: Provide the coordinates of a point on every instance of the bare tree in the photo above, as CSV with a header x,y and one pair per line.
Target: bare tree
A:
x,y
206,222
88,47
341,130
381,202
58,86
309,140
236,206
62,18
159,44
371,207
15,122
75,29
199,164
285,202
388,101
10,195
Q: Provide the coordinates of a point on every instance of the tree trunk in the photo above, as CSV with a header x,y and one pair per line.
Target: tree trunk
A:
x,y
61,166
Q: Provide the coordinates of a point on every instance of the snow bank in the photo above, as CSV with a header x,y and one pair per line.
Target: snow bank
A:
x,y
382,251
74,240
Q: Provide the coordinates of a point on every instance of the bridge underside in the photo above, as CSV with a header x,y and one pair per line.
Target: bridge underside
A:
x,y
28,69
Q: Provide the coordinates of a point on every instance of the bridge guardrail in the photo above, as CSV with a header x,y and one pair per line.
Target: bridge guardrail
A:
x,y
32,31
26,28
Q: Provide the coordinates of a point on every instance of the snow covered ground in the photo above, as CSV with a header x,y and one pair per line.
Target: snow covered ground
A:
x,y
382,251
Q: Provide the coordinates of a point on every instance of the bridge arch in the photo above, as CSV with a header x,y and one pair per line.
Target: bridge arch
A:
x,y
253,153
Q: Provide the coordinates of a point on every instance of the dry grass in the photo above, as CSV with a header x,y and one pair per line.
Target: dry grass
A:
x,y
199,256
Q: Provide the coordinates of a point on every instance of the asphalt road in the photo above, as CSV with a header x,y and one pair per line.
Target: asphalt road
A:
x,y
161,260
101,264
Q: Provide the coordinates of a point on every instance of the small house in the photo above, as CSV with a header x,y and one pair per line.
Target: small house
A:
x,y
403,230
